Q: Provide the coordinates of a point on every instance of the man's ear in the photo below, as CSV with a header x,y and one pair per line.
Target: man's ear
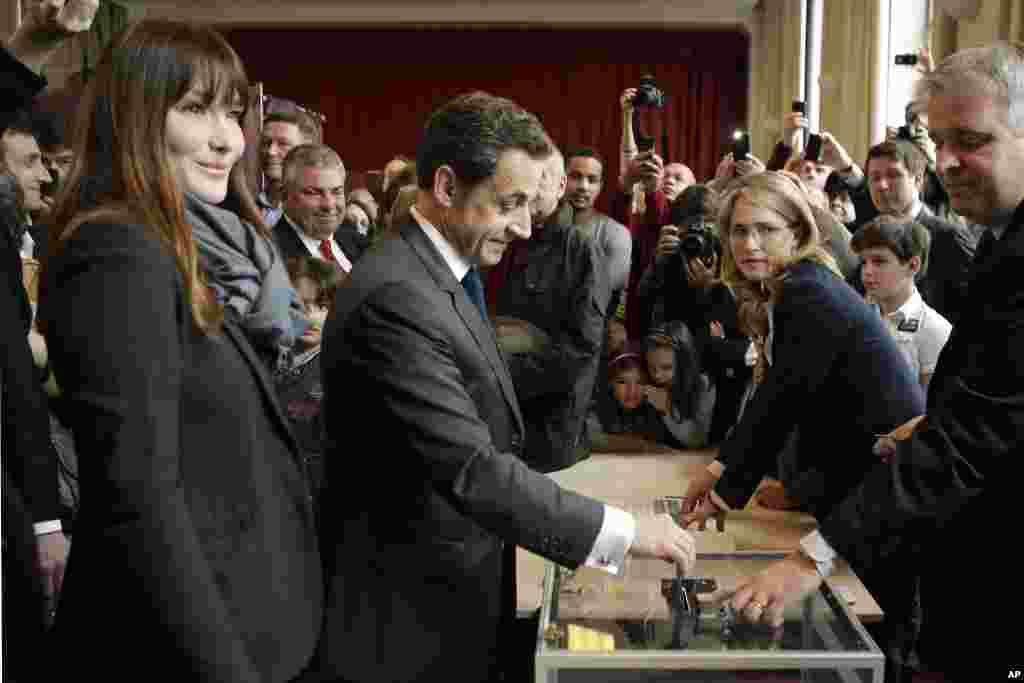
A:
x,y
914,264
919,183
561,186
445,186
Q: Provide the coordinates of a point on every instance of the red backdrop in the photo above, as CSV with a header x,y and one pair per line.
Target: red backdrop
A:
x,y
377,87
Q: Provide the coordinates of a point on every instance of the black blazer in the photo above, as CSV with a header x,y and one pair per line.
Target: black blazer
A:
x,y
838,377
944,285
195,540
414,380
30,460
290,244
961,472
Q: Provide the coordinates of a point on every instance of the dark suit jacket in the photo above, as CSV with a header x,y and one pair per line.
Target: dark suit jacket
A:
x,y
961,472
944,286
195,541
30,460
290,244
556,281
414,381
838,377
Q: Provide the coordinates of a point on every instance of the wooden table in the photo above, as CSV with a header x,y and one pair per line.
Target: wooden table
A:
x,y
630,480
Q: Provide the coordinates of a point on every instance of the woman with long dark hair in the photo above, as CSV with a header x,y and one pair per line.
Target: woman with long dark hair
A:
x,y
195,555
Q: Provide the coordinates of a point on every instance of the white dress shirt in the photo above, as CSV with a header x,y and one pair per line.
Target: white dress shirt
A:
x,y
618,528
920,332
313,246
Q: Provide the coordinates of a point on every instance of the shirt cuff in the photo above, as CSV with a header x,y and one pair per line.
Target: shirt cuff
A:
x,y
618,529
47,527
814,546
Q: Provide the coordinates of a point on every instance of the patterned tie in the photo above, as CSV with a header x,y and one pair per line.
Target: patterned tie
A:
x,y
325,251
474,287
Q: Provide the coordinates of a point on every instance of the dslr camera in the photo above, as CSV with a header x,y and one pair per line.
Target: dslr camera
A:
x,y
700,237
648,94
699,241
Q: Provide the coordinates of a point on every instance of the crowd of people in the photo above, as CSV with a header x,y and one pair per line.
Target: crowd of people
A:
x,y
192,364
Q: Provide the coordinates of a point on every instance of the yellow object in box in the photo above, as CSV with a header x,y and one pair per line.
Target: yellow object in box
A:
x,y
583,639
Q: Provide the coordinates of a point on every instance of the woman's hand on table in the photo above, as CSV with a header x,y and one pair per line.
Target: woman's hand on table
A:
x,y
764,596
698,505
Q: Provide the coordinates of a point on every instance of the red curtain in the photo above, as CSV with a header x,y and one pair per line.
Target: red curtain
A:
x,y
377,87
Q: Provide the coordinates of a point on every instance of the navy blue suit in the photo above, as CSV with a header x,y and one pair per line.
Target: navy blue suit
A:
x,y
838,377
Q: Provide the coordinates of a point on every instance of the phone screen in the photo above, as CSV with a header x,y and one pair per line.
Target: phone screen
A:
x,y
813,152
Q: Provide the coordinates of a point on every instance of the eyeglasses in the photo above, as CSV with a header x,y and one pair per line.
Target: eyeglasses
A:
x,y
764,231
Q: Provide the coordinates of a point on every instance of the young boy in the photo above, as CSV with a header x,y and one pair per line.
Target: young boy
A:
x,y
894,254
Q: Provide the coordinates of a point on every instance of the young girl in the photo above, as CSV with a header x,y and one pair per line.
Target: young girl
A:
x,y
624,420
679,391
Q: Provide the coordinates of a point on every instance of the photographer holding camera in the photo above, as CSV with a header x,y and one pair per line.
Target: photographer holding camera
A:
x,y
681,284
647,186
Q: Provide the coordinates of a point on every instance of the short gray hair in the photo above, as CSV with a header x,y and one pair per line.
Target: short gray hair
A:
x,y
309,156
995,70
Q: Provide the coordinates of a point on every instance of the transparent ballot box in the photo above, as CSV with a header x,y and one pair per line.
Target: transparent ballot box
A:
x,y
654,626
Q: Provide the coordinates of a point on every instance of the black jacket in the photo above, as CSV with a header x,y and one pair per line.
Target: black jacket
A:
x,y
291,246
960,472
30,460
195,537
838,376
554,280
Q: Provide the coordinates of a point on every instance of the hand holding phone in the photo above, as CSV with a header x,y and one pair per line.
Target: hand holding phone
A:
x,y
813,151
740,145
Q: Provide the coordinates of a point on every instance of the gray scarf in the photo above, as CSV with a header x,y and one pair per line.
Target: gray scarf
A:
x,y
247,274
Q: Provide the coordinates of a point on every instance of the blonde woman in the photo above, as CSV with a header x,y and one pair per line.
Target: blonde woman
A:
x,y
826,366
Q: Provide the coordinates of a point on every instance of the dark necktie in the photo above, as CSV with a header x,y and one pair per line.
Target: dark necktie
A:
x,y
474,287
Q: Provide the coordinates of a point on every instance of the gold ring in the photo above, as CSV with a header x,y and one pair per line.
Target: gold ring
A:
x,y
758,605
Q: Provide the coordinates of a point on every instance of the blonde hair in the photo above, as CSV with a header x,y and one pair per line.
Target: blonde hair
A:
x,y
786,195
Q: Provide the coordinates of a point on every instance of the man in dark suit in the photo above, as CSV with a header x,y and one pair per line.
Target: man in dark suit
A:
x,y
895,174
34,545
960,469
314,206
420,550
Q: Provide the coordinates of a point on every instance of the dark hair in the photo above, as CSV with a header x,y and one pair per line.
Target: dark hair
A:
x,y
326,276
584,152
835,185
904,151
905,240
470,132
307,125
49,127
686,382
122,172
695,202
627,360
21,123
